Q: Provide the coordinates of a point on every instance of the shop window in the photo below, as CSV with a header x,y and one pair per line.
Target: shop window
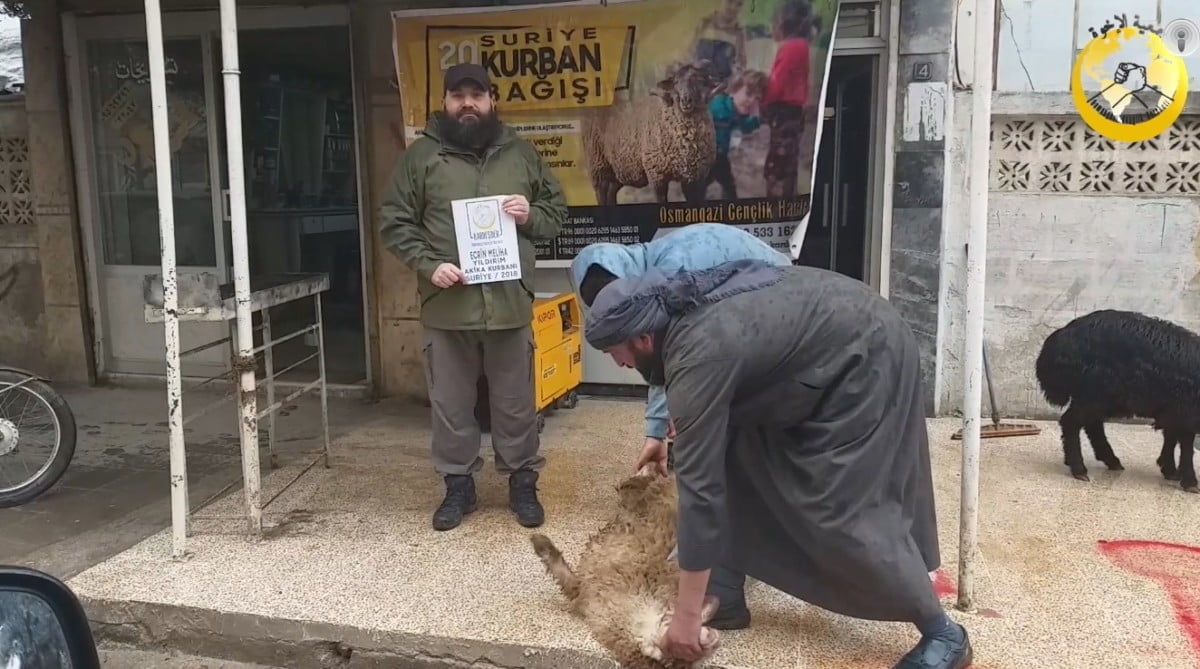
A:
x,y
858,20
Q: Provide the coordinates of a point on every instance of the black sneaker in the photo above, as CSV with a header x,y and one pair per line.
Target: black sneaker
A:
x,y
460,500
948,650
523,500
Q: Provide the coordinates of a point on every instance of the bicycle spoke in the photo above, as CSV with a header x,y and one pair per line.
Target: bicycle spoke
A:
x,y
29,417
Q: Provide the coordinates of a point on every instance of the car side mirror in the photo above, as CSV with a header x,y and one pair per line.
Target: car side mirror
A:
x,y
42,624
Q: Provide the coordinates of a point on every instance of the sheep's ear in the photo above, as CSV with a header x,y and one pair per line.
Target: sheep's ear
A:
x,y
664,90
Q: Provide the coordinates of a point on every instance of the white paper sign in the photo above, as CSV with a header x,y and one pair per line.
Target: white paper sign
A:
x,y
487,240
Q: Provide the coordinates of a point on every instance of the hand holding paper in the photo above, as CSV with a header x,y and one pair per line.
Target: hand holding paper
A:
x,y
517,206
447,275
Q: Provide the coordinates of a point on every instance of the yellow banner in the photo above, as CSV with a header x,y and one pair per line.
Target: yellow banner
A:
x,y
534,69
652,114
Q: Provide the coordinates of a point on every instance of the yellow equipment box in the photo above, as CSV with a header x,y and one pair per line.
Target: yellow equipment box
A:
x,y
558,353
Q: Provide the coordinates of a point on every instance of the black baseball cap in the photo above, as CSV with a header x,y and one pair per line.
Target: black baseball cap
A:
x,y
459,74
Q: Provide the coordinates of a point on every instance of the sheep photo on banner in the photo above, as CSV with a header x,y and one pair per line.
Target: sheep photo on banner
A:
x,y
653,114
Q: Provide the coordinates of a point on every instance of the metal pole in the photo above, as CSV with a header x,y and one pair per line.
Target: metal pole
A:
x,y
166,232
245,363
981,120
269,362
324,385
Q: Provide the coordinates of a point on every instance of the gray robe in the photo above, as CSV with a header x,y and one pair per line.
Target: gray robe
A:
x,y
801,445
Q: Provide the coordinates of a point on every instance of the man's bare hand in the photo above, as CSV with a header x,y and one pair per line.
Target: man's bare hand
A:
x,y
653,451
447,275
685,638
517,207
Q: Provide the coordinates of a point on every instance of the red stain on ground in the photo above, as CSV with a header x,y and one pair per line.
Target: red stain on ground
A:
x,y
943,585
1173,567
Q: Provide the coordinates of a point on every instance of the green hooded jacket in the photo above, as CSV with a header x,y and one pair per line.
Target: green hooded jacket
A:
x,y
418,225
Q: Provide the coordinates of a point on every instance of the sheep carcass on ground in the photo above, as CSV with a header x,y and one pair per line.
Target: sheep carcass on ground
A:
x,y
624,585
668,136
1122,364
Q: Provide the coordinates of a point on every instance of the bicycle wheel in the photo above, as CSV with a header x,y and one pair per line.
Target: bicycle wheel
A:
x,y
37,438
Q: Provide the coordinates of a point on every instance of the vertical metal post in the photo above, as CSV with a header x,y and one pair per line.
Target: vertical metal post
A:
x,y
245,363
166,231
269,362
981,121
321,367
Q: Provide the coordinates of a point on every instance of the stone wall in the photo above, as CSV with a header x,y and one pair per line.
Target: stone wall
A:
x,y
66,342
22,306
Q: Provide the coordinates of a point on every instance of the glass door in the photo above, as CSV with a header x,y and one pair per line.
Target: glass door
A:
x,y
298,138
122,186
838,235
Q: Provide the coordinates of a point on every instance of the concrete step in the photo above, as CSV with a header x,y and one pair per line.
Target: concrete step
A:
x,y
140,631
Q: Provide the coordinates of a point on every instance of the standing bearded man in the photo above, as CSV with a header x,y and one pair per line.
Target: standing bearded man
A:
x,y
465,151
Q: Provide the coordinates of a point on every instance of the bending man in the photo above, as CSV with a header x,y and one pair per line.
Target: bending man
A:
x,y
801,451
694,247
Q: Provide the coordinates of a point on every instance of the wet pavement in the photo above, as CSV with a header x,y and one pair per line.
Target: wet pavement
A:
x,y
115,492
1072,574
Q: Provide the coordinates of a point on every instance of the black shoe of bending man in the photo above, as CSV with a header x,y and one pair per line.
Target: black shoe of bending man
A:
x,y
460,500
950,649
732,616
523,499
730,590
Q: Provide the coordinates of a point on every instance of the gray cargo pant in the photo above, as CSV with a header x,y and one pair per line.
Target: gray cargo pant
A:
x,y
454,360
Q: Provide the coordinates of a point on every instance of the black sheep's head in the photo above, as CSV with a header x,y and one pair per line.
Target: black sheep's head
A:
x,y
690,86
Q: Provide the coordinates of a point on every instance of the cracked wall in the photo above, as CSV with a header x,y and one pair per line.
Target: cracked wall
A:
x,y
1037,41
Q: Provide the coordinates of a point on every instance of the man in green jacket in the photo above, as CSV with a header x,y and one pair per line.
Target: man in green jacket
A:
x,y
484,329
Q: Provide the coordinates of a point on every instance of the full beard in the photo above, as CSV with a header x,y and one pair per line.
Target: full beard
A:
x,y
652,365
476,134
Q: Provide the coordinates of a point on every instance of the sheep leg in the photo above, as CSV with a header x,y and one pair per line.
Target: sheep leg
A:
x,y
660,191
1072,446
1166,459
1187,468
1101,447
694,193
614,187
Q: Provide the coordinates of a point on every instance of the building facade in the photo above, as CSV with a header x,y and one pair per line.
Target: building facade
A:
x,y
322,115
1078,222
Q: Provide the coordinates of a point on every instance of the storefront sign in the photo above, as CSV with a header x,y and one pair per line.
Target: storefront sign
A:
x,y
487,240
652,114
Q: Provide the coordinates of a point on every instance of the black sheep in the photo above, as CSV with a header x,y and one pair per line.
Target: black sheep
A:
x,y
1121,364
